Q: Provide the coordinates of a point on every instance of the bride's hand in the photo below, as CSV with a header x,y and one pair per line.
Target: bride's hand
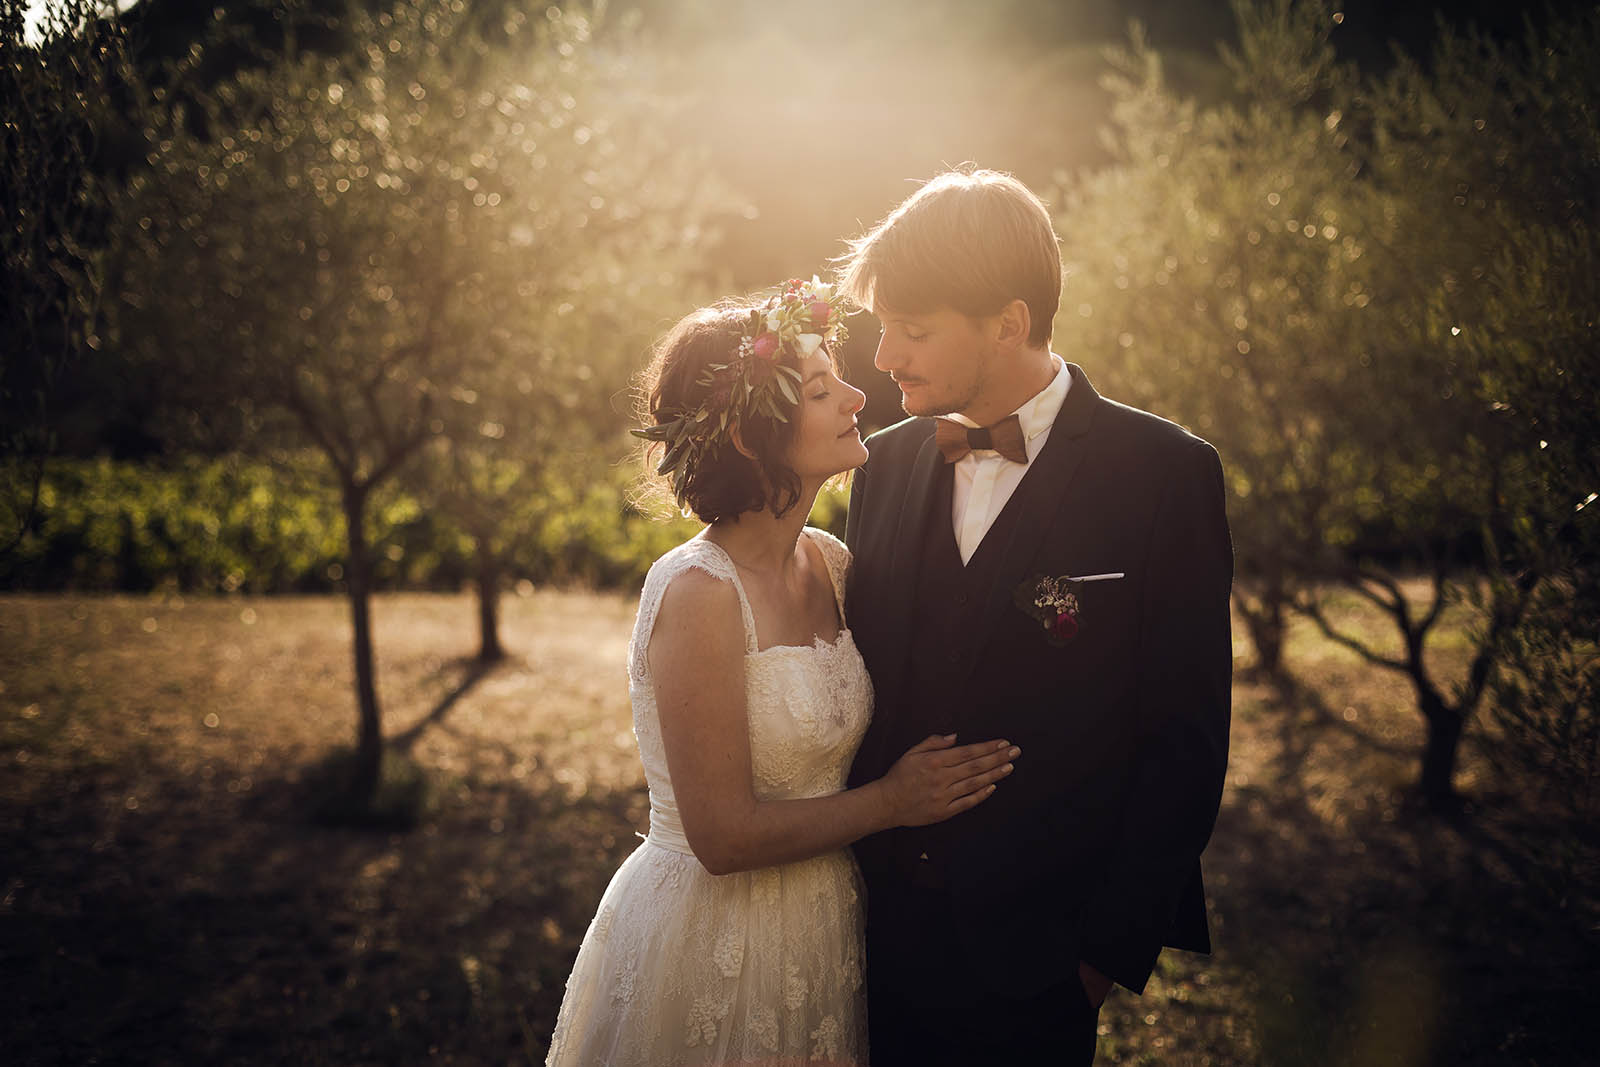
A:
x,y
934,780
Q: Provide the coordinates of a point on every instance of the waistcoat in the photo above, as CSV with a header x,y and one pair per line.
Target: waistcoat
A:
x,y
944,617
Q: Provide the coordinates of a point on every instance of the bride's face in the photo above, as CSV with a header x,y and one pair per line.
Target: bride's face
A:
x,y
826,440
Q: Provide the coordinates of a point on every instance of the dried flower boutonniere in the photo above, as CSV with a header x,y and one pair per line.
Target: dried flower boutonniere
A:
x,y
1055,606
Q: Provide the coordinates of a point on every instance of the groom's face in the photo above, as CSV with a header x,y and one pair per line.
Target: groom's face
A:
x,y
939,359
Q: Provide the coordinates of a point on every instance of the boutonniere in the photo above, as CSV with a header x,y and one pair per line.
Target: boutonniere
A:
x,y
1054,605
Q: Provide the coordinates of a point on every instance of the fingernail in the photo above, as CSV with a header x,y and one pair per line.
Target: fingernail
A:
x,y
949,737
1015,752
1007,769
990,789
1001,744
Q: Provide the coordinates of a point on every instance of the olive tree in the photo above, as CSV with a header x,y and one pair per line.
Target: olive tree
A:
x,y
61,90
1491,160
1347,286
358,252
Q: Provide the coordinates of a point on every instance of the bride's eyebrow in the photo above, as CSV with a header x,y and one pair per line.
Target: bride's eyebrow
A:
x,y
814,375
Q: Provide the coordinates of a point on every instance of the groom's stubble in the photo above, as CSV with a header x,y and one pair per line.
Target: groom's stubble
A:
x,y
963,396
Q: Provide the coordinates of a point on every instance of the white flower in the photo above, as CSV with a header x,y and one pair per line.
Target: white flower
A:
x,y
825,1040
729,954
703,1019
794,988
764,886
764,1028
808,343
773,322
623,986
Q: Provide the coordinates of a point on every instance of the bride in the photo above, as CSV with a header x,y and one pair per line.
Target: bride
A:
x,y
733,935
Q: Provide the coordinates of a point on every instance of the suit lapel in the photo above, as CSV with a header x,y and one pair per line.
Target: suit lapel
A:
x,y
906,552
1041,494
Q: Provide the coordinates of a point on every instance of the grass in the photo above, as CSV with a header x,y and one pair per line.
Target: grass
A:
x,y
165,898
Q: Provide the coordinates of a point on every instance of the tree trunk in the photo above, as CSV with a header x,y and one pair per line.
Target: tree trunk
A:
x,y
1445,727
1263,617
369,745
488,582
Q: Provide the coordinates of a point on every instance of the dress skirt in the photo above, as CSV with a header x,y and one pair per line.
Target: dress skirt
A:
x,y
683,967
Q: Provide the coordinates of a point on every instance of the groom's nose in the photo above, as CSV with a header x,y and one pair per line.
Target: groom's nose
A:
x,y
885,358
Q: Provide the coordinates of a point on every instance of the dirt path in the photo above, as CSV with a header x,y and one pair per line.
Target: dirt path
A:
x,y
162,900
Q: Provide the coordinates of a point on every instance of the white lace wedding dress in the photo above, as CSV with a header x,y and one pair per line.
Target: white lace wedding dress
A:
x,y
681,966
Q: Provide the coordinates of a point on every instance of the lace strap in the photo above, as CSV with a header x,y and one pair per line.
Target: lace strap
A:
x,y
725,569
837,558
696,553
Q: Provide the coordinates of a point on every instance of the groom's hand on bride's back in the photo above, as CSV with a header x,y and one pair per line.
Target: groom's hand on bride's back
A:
x,y
935,779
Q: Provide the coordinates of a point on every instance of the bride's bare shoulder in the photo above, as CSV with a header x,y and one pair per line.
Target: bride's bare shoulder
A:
x,y
701,604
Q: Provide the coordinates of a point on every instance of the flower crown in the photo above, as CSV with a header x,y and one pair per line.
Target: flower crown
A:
x,y
800,318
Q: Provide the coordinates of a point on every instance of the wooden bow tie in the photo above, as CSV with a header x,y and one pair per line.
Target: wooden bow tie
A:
x,y
956,439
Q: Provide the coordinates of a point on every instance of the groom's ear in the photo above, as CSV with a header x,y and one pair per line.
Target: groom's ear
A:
x,y
1013,324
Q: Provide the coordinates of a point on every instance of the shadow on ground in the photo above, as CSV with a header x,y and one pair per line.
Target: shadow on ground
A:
x,y
195,933
163,898
1354,927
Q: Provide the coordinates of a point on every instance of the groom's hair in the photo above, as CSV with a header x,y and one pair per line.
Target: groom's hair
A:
x,y
970,240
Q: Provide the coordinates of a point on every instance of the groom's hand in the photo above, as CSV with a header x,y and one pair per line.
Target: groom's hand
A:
x,y
1095,984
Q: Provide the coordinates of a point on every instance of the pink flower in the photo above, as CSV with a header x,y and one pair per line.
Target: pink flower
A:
x,y
819,314
765,346
1065,627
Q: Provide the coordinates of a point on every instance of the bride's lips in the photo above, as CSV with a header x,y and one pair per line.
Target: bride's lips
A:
x,y
854,429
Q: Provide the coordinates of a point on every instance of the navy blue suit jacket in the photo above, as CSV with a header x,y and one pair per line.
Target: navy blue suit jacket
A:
x,y
1091,849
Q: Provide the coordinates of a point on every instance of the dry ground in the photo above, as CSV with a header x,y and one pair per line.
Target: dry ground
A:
x,y
163,900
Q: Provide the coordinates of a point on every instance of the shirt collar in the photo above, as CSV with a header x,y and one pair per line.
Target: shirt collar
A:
x,y
1039,414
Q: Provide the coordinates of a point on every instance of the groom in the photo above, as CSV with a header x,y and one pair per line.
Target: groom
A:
x,y
1043,565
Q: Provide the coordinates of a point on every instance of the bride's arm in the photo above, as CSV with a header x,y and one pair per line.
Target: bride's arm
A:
x,y
696,655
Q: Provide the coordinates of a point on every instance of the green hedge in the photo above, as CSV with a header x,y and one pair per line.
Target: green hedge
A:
x,y
232,524
196,524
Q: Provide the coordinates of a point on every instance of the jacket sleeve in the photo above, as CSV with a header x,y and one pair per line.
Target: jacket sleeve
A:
x,y
858,495
1174,784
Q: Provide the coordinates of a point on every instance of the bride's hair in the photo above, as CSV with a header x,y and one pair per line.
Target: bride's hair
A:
x,y
723,482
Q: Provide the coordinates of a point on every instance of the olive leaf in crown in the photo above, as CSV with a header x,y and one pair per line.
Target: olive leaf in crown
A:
x,y
802,317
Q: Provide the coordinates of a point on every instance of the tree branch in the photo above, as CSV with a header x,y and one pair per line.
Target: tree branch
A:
x,y
297,402
397,456
1309,607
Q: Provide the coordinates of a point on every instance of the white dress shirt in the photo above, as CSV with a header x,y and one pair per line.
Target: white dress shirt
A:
x,y
985,480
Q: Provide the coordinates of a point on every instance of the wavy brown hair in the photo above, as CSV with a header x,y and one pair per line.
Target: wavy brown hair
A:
x,y
724,483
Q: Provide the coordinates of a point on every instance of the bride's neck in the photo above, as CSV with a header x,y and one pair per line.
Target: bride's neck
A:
x,y
761,542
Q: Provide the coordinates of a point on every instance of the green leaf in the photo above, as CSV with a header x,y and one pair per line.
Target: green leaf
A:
x,y
674,453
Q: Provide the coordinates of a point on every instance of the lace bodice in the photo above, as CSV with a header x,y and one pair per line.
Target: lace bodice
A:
x,y
808,705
